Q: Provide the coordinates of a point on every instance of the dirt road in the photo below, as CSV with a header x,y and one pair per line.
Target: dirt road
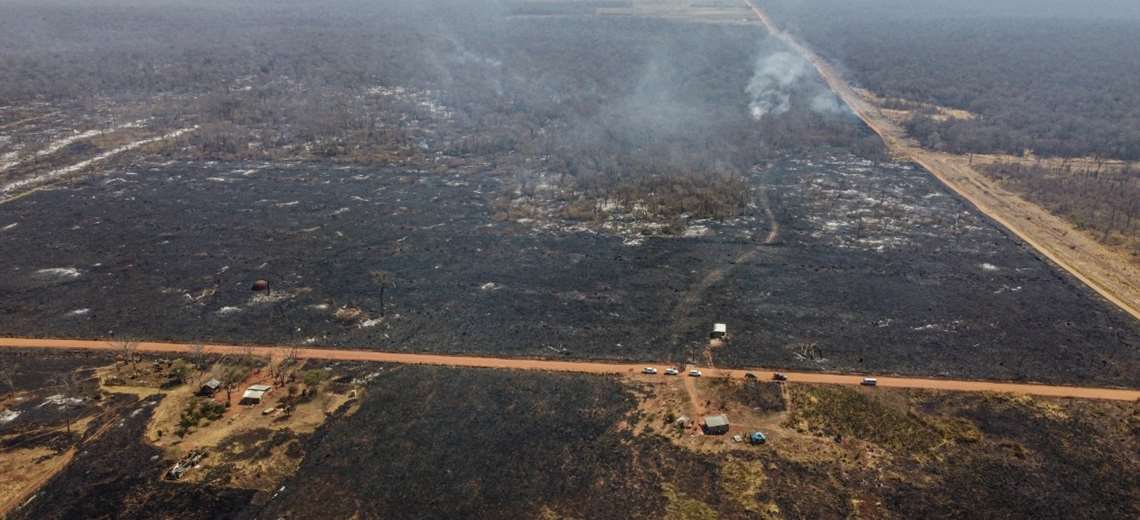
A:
x,y
1107,272
581,367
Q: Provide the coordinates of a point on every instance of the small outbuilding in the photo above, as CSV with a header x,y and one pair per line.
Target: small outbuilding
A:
x,y
716,425
254,394
720,330
209,388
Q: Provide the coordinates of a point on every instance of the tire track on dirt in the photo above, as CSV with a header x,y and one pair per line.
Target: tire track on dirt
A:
x,y
681,319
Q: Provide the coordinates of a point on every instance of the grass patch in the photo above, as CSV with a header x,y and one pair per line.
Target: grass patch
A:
x,y
844,412
680,506
741,481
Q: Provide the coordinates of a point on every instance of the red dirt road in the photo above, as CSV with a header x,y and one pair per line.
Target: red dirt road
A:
x,y
583,367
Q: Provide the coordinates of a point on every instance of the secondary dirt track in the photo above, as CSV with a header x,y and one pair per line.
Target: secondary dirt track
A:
x,y
580,367
1107,272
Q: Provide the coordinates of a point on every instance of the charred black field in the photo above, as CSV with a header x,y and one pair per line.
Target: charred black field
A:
x,y
603,187
561,179
873,267
445,443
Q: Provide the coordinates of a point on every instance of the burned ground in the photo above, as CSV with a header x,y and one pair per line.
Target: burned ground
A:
x,y
430,442
874,268
608,193
118,475
537,440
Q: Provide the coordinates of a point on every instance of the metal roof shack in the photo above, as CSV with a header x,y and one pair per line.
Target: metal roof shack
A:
x,y
209,388
254,394
716,425
720,330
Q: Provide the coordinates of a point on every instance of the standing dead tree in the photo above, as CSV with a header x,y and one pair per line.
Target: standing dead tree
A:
x,y
128,350
248,356
383,280
231,376
198,358
8,374
70,384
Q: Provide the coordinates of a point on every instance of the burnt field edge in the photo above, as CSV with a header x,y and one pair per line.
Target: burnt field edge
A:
x,y
1058,271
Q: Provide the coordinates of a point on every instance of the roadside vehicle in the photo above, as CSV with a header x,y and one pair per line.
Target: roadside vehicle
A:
x,y
694,373
649,370
749,375
671,371
869,381
779,376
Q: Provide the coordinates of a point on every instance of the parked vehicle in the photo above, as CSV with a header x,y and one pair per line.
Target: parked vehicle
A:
x,y
869,381
694,373
779,376
749,375
649,370
757,438
671,371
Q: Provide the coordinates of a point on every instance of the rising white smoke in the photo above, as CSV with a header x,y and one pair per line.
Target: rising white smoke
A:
x,y
777,77
773,82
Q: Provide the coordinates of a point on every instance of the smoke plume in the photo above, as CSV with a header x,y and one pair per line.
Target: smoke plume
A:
x,y
773,83
779,76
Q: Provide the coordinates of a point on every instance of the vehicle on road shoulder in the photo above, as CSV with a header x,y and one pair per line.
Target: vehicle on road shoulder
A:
x,y
694,373
779,376
671,371
649,370
869,381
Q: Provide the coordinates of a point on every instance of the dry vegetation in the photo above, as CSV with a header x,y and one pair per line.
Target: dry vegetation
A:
x,y
1103,202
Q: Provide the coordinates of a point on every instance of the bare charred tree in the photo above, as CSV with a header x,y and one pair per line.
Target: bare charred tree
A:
x,y
69,383
248,356
128,349
8,374
383,280
198,353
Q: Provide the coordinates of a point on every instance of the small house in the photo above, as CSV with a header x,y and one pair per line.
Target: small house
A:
x,y
254,394
720,330
209,388
716,425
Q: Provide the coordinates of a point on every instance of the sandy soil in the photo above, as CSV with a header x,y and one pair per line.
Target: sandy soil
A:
x,y
1107,272
588,367
22,472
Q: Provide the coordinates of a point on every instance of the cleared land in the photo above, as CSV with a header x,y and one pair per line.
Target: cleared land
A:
x,y
1109,272
577,366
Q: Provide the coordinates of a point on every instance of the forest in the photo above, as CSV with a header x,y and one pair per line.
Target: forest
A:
x,y
1103,201
1044,77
